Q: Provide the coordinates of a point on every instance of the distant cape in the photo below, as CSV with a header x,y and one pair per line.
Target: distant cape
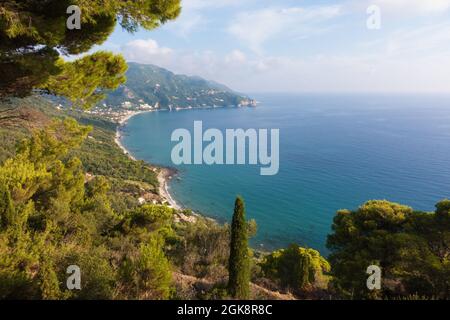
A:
x,y
151,86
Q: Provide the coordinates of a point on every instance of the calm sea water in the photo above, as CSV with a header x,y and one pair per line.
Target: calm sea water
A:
x,y
336,151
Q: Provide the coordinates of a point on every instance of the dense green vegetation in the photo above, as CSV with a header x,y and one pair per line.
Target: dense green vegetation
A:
x,y
84,81
98,153
203,251
412,249
150,84
295,268
51,218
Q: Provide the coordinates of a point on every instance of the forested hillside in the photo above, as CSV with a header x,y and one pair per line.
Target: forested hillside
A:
x,y
155,86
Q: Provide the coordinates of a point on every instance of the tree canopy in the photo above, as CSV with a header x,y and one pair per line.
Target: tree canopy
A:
x,y
84,81
411,248
28,23
295,268
51,217
33,35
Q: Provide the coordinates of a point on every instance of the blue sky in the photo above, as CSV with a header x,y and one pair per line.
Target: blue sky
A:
x,y
303,45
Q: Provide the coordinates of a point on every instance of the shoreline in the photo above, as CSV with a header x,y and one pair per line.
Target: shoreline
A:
x,y
164,174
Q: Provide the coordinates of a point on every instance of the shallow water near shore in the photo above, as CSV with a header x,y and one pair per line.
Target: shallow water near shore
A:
x,y
336,151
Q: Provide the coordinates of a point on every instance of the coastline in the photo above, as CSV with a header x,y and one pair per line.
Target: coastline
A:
x,y
164,174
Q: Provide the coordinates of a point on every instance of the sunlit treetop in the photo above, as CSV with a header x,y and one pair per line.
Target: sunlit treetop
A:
x,y
34,33
43,22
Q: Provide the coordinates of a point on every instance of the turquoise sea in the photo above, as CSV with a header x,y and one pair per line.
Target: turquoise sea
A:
x,y
336,151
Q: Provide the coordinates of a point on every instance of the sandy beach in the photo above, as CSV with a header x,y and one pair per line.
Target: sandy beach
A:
x,y
164,174
122,122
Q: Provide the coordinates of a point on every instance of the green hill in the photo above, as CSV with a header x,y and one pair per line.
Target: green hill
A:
x,y
152,86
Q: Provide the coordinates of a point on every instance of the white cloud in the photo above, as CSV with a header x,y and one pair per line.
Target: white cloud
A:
x,y
387,65
202,4
236,56
193,17
413,6
254,28
187,23
404,9
421,41
147,51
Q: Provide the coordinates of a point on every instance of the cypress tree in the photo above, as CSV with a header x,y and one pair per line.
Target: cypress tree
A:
x,y
239,262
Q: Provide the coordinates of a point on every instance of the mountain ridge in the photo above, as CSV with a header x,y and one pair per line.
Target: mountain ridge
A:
x,y
152,87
